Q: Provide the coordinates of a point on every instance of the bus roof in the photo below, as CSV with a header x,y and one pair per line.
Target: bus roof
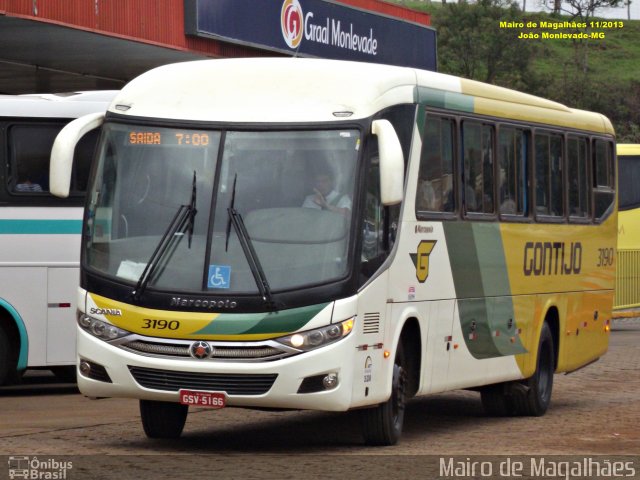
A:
x,y
624,149
314,90
55,105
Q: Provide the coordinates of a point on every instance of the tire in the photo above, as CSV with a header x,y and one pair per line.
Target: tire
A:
x,y
163,419
535,401
382,425
530,397
497,401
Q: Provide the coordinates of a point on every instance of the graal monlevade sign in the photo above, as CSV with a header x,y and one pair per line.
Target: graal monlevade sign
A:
x,y
314,28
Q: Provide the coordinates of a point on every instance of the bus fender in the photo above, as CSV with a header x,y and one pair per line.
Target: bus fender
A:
x,y
15,318
405,313
545,306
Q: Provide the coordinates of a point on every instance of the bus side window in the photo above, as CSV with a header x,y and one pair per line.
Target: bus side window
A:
x,y
542,174
478,167
556,172
30,148
380,224
549,174
435,191
604,175
578,178
512,163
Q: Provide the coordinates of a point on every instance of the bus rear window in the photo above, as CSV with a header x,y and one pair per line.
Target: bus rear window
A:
x,y
629,182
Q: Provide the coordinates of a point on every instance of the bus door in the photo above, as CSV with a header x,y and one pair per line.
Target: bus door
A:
x,y
379,227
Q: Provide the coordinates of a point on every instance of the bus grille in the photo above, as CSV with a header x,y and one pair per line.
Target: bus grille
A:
x,y
220,352
628,279
232,384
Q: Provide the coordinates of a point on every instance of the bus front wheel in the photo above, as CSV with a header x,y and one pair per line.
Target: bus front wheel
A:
x,y
163,419
382,425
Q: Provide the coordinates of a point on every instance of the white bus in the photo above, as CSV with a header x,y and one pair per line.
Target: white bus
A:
x,y
316,234
40,233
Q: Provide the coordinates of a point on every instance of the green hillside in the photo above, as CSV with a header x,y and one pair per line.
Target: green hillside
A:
x,y
616,58
554,68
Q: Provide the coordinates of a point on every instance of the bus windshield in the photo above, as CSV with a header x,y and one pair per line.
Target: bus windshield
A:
x,y
292,191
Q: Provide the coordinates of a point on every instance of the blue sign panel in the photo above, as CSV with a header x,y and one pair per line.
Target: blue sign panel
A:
x,y
219,276
314,28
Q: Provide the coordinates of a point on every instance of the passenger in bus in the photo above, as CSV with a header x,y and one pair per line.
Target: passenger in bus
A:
x,y
427,199
30,173
435,187
26,185
326,197
507,201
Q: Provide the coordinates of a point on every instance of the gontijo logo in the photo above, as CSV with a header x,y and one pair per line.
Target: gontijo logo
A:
x,y
291,21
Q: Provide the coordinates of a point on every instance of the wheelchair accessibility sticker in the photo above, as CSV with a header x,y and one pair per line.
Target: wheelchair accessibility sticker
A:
x,y
219,276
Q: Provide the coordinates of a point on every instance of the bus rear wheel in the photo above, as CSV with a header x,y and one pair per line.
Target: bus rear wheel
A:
x,y
536,397
163,419
530,397
382,425
497,400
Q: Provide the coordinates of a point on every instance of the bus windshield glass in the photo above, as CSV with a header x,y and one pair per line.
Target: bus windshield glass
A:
x,y
162,200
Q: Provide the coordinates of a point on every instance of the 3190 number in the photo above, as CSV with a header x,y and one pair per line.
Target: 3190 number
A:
x,y
160,324
605,257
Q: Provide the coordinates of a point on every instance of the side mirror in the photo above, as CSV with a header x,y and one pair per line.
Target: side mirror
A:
x,y
63,149
391,162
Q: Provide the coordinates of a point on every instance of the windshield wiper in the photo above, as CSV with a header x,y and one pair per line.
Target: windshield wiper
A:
x,y
235,219
231,205
182,222
192,209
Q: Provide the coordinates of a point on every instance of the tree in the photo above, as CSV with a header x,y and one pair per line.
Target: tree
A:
x,y
582,12
471,43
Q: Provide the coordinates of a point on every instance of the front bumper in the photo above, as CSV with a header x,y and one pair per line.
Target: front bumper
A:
x,y
247,384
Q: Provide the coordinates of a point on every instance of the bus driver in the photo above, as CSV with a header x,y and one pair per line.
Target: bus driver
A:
x,y
325,196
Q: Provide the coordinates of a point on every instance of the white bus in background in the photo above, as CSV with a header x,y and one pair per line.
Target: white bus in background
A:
x,y
40,233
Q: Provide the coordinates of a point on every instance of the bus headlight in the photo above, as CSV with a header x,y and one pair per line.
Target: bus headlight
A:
x,y
100,329
318,337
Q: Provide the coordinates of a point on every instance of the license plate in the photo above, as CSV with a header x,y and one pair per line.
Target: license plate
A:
x,y
203,399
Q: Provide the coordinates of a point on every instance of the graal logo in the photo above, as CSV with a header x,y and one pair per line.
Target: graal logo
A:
x,y
27,467
292,22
